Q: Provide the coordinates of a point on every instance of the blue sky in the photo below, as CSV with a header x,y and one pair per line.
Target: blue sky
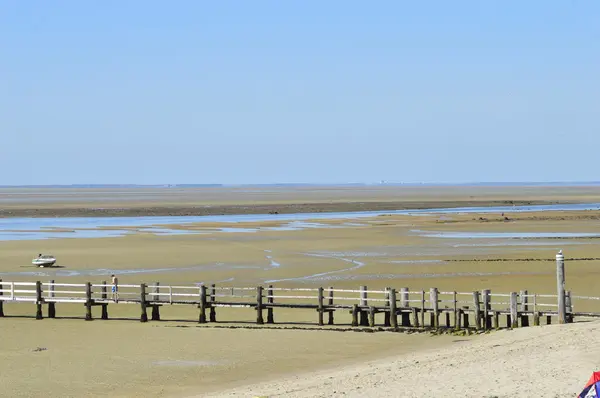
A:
x,y
298,91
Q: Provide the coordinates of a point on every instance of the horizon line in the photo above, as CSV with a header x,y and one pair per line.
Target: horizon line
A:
x,y
225,185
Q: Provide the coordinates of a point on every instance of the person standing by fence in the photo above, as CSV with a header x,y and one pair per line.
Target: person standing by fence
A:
x,y
115,288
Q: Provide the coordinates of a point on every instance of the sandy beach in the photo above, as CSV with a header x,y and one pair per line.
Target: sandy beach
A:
x,y
552,361
176,357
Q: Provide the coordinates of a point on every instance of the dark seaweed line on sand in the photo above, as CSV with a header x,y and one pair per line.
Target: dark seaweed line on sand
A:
x,y
286,208
520,259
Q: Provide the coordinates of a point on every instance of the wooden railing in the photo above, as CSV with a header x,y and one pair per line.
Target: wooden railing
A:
x,y
399,307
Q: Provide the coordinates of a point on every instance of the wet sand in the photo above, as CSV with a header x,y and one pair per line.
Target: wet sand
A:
x,y
111,202
393,250
74,358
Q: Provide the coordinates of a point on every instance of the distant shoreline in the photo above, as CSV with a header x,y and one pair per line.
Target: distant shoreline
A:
x,y
284,208
505,184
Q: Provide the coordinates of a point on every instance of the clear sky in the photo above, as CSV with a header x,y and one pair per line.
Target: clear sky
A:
x,y
298,91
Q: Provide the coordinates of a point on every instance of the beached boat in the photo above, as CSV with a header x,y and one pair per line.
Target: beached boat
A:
x,y
44,260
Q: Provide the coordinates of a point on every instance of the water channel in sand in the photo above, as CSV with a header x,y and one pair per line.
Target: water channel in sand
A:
x,y
102,227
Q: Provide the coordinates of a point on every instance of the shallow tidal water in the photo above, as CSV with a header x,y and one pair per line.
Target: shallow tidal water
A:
x,y
89,227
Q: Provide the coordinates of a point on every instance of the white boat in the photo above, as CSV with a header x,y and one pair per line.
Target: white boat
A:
x,y
44,260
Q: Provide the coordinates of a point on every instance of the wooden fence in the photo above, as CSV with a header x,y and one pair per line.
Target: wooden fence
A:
x,y
387,307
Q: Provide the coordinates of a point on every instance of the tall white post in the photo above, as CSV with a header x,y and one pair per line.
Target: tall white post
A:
x,y
560,287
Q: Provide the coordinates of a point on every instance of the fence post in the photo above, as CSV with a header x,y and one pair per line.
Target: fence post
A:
x,y
386,315
330,321
354,314
487,306
364,321
38,300
569,307
143,304
393,311
104,298
536,318
202,317
404,304
372,316
433,295
456,314
476,305
423,308
560,286
155,305
213,299
514,320
156,291
259,305
320,306
1,301
88,301
270,300
496,320
536,314
524,308
51,304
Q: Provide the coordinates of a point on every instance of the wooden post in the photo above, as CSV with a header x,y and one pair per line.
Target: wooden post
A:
x,y
569,306
104,298
38,300
447,316
496,320
415,314
213,299
156,291
1,301
465,317
143,304
459,318
364,321
514,320
560,285
155,305
456,315
372,316
386,315
476,305
423,308
354,315
330,321
259,305
433,293
51,304
156,312
202,317
404,305
524,308
393,310
536,318
270,300
487,306
88,301
320,306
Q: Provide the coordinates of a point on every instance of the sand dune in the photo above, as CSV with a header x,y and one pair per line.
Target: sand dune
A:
x,y
549,361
